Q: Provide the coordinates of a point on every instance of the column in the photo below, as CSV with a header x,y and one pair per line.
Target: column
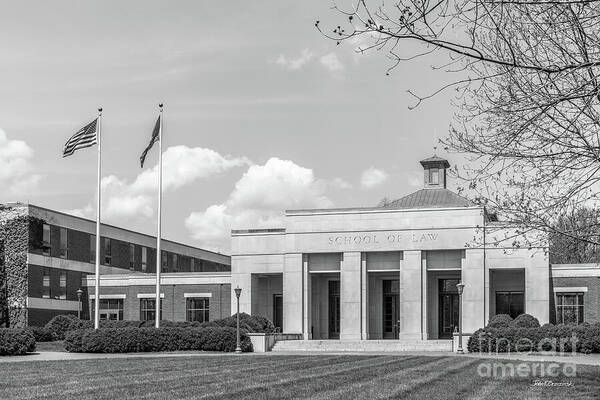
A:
x,y
424,309
410,296
473,298
292,293
537,286
364,295
350,296
306,304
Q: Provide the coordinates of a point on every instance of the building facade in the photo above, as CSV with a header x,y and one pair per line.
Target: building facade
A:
x,y
46,257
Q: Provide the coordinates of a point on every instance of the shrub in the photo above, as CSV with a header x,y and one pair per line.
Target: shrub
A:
x,y
41,333
248,323
129,340
500,321
525,321
60,324
14,342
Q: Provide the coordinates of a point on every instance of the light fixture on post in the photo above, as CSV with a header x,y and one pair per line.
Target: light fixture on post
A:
x,y
79,293
460,287
238,347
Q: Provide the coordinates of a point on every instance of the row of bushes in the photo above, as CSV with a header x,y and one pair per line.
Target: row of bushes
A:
x,y
524,334
58,326
130,340
16,342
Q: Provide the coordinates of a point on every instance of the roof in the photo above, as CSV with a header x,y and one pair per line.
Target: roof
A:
x,y
435,160
430,198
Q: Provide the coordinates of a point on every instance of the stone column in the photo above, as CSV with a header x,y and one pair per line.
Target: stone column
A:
x,y
424,307
306,304
364,296
410,296
350,296
292,293
537,286
473,298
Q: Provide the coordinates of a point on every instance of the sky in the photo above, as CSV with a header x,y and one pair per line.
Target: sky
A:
x,y
262,113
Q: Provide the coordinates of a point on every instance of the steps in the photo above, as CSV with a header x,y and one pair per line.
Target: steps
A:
x,y
363,345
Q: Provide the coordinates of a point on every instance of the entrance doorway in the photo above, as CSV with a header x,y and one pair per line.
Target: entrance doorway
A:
x,y
448,307
391,309
334,309
278,312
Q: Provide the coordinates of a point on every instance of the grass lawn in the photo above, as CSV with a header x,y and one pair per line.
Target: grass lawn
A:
x,y
278,376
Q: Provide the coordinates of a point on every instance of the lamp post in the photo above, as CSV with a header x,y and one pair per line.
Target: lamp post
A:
x,y
461,287
238,347
79,293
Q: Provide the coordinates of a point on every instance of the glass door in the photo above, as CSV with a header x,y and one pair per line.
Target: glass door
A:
x,y
391,309
448,308
334,309
278,312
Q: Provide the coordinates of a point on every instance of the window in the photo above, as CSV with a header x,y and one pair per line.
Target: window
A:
x,y
196,265
144,259
83,281
93,249
46,240
164,259
63,285
107,251
110,309
46,283
63,243
147,309
197,309
569,308
510,303
434,176
175,265
132,257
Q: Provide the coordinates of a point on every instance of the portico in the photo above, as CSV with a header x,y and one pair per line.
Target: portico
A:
x,y
389,273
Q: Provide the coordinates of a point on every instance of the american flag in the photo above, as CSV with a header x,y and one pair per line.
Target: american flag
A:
x,y
155,138
85,137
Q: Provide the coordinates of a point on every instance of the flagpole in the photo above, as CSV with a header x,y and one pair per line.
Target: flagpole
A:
x,y
98,208
158,225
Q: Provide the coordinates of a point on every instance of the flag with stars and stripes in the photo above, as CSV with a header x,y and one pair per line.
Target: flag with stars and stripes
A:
x,y
155,138
85,137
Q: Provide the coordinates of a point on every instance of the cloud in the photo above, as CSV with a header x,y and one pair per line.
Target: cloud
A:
x,y
295,63
373,177
331,62
16,176
182,165
341,183
259,200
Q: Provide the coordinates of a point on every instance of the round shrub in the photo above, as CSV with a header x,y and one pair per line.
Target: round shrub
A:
x,y
41,334
500,321
248,323
525,321
15,342
60,324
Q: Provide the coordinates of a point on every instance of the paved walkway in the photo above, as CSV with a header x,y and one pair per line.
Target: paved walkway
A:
x,y
587,359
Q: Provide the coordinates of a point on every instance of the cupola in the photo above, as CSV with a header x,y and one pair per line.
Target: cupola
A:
x,y
435,172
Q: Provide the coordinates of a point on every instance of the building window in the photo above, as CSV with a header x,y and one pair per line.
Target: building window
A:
x,y
46,246
144,259
510,303
93,249
107,251
63,285
109,309
46,283
164,260
196,265
83,281
148,309
569,308
175,264
63,243
132,257
197,309
434,176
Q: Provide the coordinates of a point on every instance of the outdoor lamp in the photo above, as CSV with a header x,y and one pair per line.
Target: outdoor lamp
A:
x,y
79,293
460,287
238,292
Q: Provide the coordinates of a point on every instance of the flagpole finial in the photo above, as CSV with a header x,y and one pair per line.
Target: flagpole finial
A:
x,y
99,109
160,105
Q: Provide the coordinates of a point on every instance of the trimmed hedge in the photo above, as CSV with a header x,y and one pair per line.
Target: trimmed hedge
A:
x,y
248,323
525,321
131,340
584,338
500,321
16,342
60,325
42,334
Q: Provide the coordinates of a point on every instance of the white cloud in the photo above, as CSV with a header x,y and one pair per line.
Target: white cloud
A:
x,y
16,177
341,183
295,63
258,200
373,177
182,165
331,62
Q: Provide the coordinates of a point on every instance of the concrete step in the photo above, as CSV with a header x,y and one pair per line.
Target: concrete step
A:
x,y
363,345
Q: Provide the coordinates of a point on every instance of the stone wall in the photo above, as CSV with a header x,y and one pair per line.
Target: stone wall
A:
x,y
14,234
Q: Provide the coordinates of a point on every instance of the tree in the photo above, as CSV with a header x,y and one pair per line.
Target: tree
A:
x,y
526,76
575,236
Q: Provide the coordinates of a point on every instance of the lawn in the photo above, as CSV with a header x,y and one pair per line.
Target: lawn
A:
x,y
277,376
